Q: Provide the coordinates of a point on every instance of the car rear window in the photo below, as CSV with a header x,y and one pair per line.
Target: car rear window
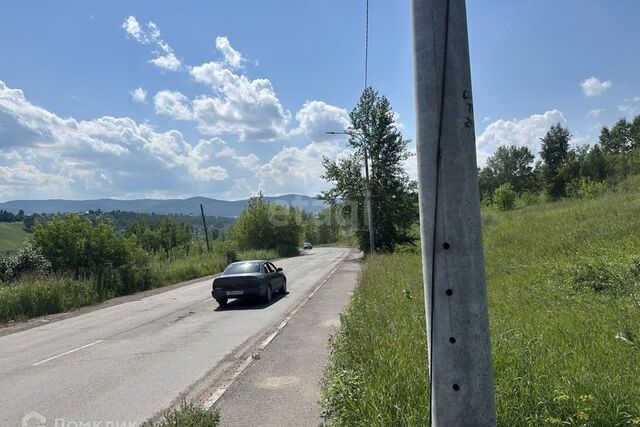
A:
x,y
242,267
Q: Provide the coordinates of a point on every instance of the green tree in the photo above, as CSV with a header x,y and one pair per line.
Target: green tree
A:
x,y
393,194
509,164
29,221
504,198
329,226
554,152
634,133
265,225
595,165
618,140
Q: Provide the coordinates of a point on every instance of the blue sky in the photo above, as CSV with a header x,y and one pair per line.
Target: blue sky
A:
x,y
167,99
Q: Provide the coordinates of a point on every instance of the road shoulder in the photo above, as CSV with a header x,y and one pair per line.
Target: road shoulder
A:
x,y
281,385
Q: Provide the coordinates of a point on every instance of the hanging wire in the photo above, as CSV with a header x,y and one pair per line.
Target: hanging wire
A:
x,y
366,46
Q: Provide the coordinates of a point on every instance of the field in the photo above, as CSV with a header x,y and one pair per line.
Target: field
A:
x,y
564,294
12,235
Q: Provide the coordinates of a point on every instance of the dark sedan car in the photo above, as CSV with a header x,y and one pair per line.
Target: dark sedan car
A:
x,y
247,279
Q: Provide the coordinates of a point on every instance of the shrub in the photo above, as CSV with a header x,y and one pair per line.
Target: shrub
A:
x,y
227,248
504,198
284,251
606,276
590,189
529,199
28,260
118,264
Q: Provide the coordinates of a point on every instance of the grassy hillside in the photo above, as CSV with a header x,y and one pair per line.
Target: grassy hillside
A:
x,y
12,235
564,296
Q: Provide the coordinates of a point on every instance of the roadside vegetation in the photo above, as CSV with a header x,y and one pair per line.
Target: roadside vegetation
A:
x,y
72,261
188,415
563,284
511,179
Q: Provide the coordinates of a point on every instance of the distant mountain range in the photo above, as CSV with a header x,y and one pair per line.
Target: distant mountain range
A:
x,y
167,206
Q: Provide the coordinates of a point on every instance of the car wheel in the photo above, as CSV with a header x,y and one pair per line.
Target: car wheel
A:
x,y
222,301
267,295
284,287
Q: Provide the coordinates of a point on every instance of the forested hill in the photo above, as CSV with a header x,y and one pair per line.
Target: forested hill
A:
x,y
212,207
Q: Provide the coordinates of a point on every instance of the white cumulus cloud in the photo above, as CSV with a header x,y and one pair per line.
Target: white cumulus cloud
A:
x,y
173,104
44,155
238,105
316,118
150,35
594,87
133,29
139,95
168,62
298,169
231,56
522,133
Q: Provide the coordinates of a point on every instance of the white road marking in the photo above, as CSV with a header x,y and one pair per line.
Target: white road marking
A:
x,y
66,352
221,390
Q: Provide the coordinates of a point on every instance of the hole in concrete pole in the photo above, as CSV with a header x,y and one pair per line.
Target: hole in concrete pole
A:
x,y
449,292
446,245
456,387
452,340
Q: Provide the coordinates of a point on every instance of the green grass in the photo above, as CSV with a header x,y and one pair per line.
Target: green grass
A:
x,y
188,415
563,286
186,267
45,296
12,236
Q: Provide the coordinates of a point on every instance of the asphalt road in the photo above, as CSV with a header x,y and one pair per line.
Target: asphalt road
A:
x,y
125,362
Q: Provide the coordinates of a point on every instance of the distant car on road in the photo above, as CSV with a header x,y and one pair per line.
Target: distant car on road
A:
x,y
249,279
307,246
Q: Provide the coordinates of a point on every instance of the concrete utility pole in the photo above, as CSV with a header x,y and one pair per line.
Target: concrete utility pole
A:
x,y
453,264
204,223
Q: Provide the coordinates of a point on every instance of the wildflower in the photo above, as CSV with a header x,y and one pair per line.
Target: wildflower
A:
x,y
562,397
582,416
586,398
554,420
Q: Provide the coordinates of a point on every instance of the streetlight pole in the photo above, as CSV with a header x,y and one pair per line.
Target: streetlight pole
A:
x,y
372,245
367,195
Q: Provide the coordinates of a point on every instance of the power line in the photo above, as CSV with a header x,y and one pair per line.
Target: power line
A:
x,y
366,46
